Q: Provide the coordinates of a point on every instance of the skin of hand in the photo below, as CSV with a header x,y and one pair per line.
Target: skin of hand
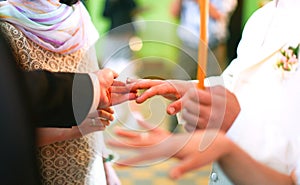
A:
x,y
195,150
215,107
106,79
136,139
106,113
120,93
170,89
185,147
102,118
112,92
198,104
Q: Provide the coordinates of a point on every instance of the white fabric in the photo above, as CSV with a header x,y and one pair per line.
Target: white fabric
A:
x,y
268,126
96,173
113,177
297,172
291,4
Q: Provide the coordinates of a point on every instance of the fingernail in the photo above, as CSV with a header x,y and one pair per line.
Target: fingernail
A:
x,y
171,110
138,100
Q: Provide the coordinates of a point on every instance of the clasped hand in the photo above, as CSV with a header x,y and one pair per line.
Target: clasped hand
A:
x,y
215,107
111,92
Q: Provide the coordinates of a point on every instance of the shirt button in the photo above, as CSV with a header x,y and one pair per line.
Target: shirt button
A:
x,y
214,177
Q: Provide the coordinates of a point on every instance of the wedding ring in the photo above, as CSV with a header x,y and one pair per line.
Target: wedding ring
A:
x,y
93,122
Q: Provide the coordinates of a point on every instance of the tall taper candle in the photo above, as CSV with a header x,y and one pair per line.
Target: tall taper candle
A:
x,y
203,43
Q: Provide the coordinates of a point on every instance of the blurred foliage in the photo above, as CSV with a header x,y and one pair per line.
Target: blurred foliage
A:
x,y
250,6
147,11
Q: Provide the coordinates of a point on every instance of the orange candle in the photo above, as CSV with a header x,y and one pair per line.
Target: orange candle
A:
x,y
202,49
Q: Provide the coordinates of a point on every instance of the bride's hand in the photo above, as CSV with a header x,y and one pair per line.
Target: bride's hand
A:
x,y
106,79
96,121
170,89
151,136
194,150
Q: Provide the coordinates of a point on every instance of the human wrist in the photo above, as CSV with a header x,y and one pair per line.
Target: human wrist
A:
x,y
226,147
73,133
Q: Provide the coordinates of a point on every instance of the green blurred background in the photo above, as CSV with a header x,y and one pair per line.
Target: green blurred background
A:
x,y
160,11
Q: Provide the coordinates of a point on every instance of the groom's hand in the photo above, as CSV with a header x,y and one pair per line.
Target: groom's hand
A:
x,y
112,92
215,107
106,79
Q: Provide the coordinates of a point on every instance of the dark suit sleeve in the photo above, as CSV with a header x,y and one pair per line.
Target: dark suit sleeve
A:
x,y
59,99
50,94
17,138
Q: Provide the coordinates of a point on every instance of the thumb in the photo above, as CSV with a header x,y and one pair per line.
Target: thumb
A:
x,y
189,163
174,107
